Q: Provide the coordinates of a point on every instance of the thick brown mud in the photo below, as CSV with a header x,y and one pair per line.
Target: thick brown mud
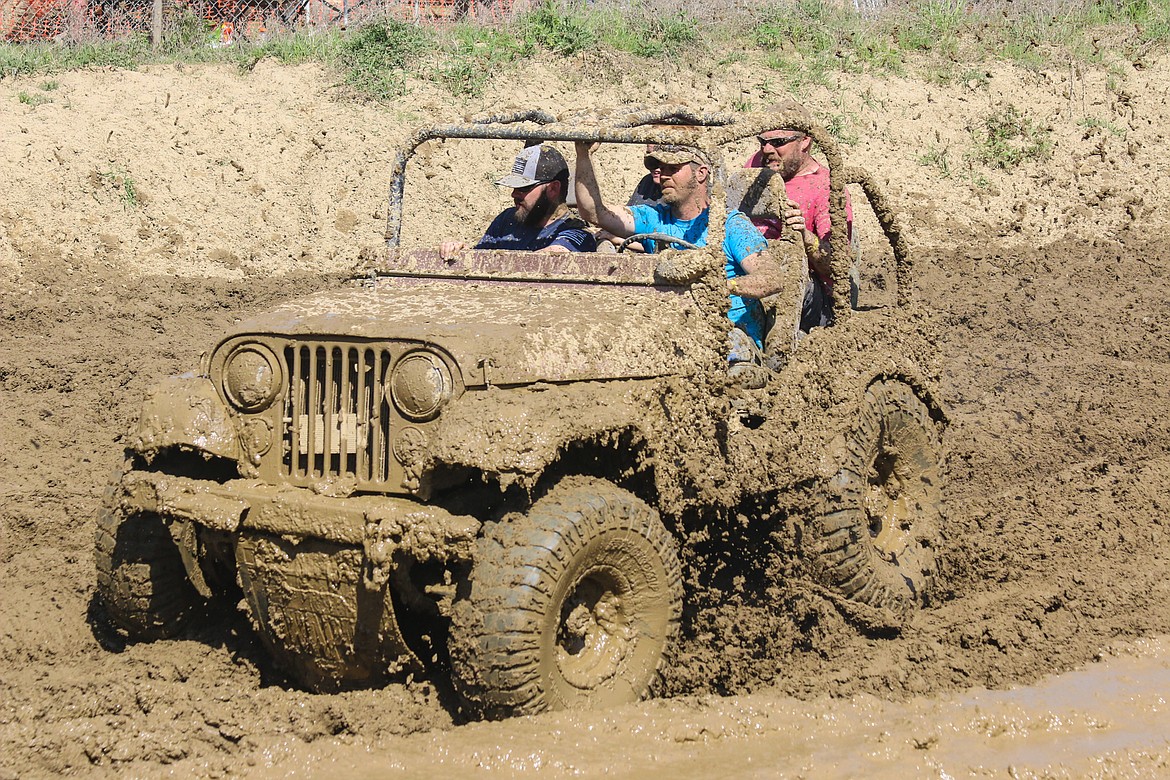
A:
x,y
1102,720
1049,294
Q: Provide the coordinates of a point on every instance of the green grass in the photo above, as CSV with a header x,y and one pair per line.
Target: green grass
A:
x,y
807,26
799,43
45,58
670,36
935,26
1094,123
475,53
303,47
565,29
808,41
119,182
375,58
1007,138
937,158
558,29
33,100
842,128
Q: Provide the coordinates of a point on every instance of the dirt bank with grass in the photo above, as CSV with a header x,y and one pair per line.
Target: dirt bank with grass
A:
x,y
145,212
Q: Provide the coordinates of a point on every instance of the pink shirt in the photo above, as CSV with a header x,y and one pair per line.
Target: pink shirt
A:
x,y
811,192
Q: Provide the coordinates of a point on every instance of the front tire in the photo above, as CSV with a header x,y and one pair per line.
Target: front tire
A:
x,y
883,509
140,576
574,605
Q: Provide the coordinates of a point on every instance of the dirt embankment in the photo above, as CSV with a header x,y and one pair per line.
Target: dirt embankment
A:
x,y
145,212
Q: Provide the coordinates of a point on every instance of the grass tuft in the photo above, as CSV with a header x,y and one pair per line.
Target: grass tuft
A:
x,y
33,100
557,28
119,182
937,158
1007,138
475,54
375,58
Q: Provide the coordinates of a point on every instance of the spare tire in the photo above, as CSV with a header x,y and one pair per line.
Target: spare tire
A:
x,y
884,505
573,605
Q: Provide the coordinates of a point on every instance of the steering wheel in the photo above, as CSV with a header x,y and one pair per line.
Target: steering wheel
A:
x,y
656,237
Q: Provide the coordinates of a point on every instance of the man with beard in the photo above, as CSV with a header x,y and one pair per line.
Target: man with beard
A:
x,y
787,152
647,192
540,220
682,212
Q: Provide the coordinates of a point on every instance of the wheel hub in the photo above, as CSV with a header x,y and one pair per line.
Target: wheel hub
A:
x,y
889,507
594,636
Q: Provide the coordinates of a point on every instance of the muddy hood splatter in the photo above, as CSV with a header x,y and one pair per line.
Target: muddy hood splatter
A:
x,y
509,332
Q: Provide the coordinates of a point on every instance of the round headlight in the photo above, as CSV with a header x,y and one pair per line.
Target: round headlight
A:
x,y
420,384
251,378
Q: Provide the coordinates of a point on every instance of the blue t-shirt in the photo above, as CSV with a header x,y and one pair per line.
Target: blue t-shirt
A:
x,y
741,239
658,218
506,233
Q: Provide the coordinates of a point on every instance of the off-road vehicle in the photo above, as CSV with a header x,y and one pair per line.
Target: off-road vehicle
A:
x,y
496,464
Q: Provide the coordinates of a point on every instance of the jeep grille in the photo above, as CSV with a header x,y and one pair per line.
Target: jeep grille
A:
x,y
338,420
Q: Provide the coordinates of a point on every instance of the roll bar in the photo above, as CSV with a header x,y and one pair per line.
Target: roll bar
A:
x,y
676,125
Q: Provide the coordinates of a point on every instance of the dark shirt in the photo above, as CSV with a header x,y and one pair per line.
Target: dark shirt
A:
x,y
647,193
506,233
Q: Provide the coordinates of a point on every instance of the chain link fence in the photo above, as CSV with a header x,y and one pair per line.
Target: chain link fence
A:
x,y
228,21
232,21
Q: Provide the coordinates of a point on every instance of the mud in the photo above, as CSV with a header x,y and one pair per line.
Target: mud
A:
x,y
1048,287
1051,730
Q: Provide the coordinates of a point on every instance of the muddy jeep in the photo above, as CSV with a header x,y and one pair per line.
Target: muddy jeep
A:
x,y
495,465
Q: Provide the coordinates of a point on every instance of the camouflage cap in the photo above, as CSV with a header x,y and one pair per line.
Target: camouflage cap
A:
x,y
790,109
673,154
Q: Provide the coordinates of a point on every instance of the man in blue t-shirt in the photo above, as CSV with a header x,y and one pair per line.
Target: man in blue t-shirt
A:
x,y
540,220
682,212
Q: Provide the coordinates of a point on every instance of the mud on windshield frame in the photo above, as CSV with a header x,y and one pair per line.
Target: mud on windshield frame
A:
x,y
676,125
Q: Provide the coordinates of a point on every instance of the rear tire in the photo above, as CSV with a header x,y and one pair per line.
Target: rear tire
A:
x,y
574,605
140,576
884,504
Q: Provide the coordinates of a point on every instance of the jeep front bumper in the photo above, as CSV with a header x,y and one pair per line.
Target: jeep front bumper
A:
x,y
315,569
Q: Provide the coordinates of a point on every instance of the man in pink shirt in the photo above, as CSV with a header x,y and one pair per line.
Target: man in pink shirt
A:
x,y
787,152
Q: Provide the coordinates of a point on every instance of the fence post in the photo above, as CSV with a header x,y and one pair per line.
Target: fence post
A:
x,y
156,14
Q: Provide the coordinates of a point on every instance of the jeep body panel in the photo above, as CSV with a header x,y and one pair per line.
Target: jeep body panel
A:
x,y
390,524
508,332
186,411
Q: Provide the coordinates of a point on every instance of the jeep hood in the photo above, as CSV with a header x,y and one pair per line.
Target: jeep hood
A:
x,y
512,332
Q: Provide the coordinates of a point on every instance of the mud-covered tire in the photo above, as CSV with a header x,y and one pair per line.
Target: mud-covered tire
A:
x,y
141,581
883,508
574,605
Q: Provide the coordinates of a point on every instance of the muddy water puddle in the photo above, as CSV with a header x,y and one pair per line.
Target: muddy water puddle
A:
x,y
1108,719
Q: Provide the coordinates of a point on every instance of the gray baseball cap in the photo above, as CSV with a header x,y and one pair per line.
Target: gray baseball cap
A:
x,y
533,165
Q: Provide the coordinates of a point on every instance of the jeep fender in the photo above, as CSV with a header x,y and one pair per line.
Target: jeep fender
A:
x,y
518,432
186,411
815,401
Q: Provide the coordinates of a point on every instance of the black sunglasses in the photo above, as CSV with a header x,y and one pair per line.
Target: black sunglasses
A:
x,y
776,143
654,164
